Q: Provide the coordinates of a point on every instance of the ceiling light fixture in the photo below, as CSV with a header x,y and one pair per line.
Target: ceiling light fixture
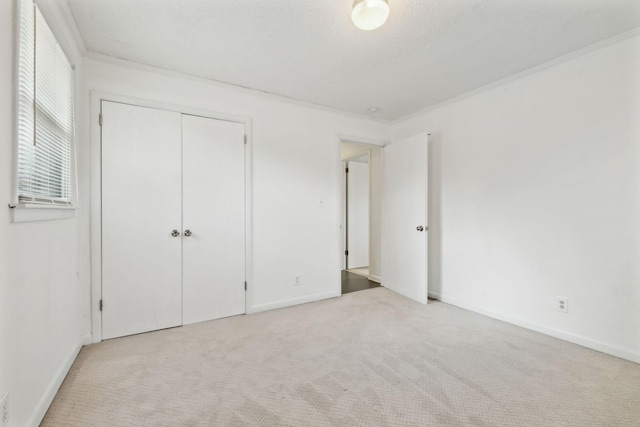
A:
x,y
369,14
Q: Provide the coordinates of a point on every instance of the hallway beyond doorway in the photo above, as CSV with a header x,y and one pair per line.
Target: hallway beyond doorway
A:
x,y
352,282
360,271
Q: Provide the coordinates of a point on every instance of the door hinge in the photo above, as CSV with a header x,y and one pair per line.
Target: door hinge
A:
x,y
245,139
346,253
100,119
245,286
100,305
346,170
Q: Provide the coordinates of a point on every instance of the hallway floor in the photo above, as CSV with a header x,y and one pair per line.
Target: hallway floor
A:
x,y
352,282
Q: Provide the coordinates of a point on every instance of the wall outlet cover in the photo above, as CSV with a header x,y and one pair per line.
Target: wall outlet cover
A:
x,y
562,304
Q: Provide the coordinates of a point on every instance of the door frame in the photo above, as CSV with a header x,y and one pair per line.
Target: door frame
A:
x,y
96,192
345,217
342,200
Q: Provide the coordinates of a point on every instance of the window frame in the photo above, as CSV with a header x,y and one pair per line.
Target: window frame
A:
x,y
25,211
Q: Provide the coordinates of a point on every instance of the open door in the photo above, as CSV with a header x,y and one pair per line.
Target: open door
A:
x,y
404,218
358,214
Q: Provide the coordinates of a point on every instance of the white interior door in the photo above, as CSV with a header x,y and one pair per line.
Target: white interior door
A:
x,y
358,214
404,245
141,265
214,213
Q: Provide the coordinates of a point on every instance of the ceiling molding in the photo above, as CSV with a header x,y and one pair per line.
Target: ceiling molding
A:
x,y
575,54
61,22
70,21
246,90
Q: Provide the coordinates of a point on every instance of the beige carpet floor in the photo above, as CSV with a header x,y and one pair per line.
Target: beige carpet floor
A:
x,y
370,358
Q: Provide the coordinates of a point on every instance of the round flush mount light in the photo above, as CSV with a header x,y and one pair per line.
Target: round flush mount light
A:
x,y
369,14
373,110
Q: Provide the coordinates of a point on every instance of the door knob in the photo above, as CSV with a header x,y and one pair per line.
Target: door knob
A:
x,y
420,228
175,233
187,233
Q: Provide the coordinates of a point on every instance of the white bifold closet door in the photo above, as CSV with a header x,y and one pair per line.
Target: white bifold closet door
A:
x,y
214,213
141,205
173,219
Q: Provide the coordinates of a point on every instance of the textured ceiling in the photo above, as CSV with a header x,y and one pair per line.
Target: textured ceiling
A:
x,y
427,52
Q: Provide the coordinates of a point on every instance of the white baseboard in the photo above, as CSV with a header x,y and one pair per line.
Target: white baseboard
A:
x,y
375,278
86,340
47,398
613,350
293,301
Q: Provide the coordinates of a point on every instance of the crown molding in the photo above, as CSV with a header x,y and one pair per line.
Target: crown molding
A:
x,y
72,25
229,86
549,64
63,25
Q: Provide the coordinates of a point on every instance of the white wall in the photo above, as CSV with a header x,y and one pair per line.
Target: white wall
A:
x,y
296,173
44,309
358,214
375,220
349,150
6,123
535,193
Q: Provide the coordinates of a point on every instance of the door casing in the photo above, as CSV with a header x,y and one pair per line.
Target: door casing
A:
x,y
342,202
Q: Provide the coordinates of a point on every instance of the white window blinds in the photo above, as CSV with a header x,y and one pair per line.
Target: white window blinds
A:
x,y
45,125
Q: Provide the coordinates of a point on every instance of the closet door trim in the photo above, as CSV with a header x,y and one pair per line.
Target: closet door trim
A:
x,y
95,218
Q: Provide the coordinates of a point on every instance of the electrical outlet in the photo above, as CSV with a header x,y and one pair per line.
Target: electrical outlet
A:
x,y
298,281
562,304
4,410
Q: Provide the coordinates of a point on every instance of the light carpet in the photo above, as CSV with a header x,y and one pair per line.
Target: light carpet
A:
x,y
370,358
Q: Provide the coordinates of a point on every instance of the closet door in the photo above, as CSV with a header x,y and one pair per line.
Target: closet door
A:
x,y
141,194
213,218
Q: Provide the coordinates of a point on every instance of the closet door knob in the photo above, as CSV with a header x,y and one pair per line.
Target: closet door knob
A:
x,y
187,233
420,228
175,233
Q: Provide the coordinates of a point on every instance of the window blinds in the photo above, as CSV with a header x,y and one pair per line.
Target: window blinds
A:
x,y
45,112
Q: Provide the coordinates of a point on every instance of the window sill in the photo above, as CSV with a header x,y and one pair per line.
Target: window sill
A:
x,y
31,213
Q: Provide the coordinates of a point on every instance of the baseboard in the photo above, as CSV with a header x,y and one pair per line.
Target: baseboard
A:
x,y
435,295
293,301
47,398
602,347
375,278
86,340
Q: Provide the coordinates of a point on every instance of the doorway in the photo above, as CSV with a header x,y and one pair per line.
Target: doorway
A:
x,y
402,178
361,209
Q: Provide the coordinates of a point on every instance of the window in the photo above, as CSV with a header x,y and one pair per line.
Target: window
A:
x,y
45,116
